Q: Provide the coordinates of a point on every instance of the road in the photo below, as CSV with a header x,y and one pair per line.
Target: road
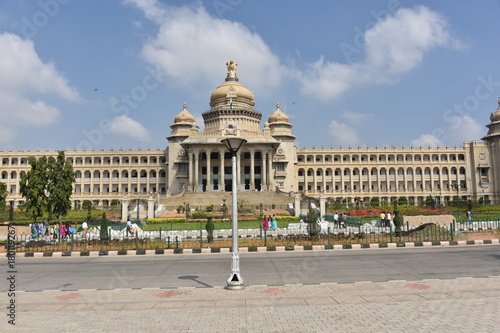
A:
x,y
212,270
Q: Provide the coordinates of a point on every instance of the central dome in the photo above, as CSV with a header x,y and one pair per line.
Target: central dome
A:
x,y
232,93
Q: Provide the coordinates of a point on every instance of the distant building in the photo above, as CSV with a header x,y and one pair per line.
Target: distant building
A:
x,y
197,161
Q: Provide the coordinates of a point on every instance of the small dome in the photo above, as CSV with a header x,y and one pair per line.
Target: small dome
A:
x,y
184,116
494,117
278,116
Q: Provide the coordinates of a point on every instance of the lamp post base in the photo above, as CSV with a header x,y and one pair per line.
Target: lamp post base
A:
x,y
235,282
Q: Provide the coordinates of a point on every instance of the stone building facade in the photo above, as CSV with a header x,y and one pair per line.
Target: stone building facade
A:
x,y
196,161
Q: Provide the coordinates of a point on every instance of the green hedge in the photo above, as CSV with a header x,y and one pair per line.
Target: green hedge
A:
x,y
288,218
166,220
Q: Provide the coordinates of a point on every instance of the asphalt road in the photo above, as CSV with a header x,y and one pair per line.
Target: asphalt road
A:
x,y
207,270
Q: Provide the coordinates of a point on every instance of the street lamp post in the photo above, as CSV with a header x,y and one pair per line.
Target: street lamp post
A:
x,y
235,280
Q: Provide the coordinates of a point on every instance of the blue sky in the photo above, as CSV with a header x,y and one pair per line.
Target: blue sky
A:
x,y
97,74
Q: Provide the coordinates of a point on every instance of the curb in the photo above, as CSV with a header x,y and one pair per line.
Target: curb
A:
x,y
259,249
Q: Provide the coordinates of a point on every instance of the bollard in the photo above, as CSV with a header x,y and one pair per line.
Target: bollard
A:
x,y
177,242
160,234
390,232
71,242
328,235
452,231
201,236
136,241
265,237
168,242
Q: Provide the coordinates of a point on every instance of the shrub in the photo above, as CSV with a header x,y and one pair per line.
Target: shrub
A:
x,y
166,220
375,202
115,202
86,203
104,228
210,226
199,215
209,208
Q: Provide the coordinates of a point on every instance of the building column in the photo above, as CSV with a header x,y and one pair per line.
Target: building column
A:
x,y
209,172
314,180
297,205
264,186
151,208
124,209
322,206
190,172
222,185
270,171
252,170
196,167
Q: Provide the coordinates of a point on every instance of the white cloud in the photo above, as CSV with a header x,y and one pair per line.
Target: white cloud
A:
x,y
343,134
356,117
464,129
192,47
126,126
22,75
393,46
426,140
460,130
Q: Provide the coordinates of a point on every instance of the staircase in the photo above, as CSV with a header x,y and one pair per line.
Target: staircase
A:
x,y
216,198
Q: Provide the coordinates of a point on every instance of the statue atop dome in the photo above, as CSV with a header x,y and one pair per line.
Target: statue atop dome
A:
x,y
231,71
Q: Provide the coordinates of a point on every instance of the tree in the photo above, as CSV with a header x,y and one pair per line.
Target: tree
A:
x,y
403,200
3,194
60,185
103,233
33,187
375,202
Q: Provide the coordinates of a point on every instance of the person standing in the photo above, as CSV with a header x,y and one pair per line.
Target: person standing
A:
x,y
47,227
85,227
274,225
336,220
265,222
129,228
469,216
388,219
382,219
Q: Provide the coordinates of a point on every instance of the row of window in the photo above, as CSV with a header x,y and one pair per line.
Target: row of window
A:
x,y
124,174
381,158
383,172
97,160
392,186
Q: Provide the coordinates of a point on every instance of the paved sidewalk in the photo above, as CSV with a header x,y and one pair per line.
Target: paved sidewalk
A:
x,y
455,305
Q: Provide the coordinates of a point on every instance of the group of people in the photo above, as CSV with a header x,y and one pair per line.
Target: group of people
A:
x,y
40,229
339,220
63,230
269,222
385,219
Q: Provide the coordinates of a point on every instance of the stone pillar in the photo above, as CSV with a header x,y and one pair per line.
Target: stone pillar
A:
x,y
322,206
252,168
296,207
222,184
190,172
209,172
124,209
151,208
264,171
196,166
270,171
